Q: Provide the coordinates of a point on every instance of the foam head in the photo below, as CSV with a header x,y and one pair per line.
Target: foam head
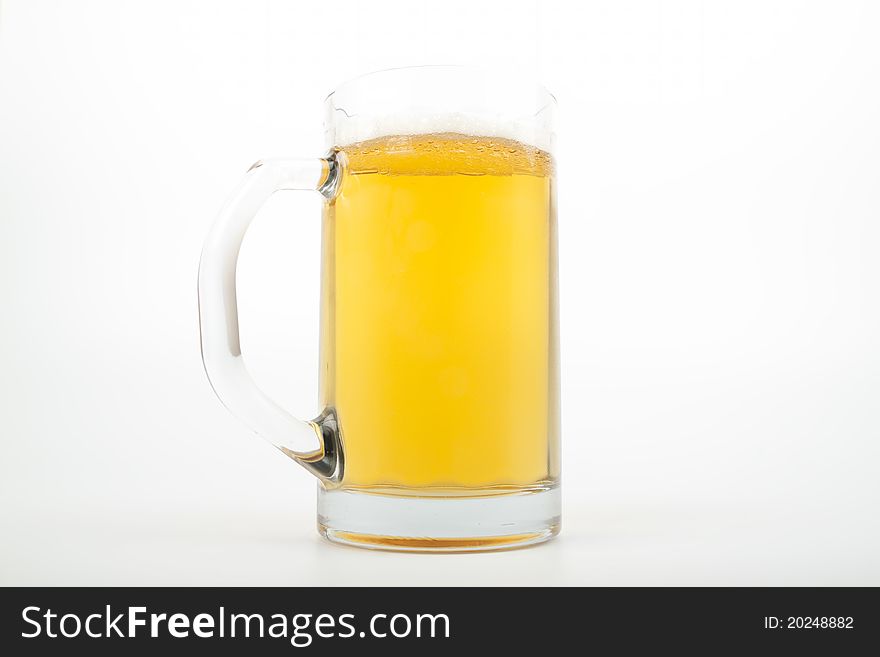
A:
x,y
440,99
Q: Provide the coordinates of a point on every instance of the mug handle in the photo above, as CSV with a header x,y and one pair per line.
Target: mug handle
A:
x,y
315,444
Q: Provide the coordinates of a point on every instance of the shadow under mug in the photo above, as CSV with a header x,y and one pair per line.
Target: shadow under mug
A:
x,y
439,351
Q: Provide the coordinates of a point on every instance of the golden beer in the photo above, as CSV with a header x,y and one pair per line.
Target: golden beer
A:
x,y
438,337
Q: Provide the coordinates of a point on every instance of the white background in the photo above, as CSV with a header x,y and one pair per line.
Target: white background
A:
x,y
719,168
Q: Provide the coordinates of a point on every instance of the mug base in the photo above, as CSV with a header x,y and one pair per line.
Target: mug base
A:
x,y
438,524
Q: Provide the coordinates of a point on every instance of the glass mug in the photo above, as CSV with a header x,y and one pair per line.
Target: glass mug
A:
x,y
438,351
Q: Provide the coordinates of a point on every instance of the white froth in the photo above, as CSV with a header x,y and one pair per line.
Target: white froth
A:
x,y
345,130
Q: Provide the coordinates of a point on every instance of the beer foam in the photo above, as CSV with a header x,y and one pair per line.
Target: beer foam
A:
x,y
411,101
344,130
447,153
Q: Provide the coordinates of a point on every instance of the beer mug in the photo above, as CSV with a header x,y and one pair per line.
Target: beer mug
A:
x,y
438,352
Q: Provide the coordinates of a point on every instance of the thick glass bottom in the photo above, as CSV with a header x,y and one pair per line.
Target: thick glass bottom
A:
x,y
438,524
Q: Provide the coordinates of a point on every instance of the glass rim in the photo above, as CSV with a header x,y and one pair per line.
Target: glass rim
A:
x,y
466,69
